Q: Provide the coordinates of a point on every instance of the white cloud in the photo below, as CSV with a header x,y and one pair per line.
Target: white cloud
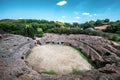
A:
x,y
94,14
77,17
61,3
86,14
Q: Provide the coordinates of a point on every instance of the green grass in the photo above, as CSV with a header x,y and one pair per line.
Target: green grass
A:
x,y
27,54
77,71
80,52
48,72
84,57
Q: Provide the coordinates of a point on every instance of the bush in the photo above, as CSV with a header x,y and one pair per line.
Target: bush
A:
x,y
118,32
39,32
29,31
111,37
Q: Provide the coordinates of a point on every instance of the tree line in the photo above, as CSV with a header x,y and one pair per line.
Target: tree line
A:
x,y
32,27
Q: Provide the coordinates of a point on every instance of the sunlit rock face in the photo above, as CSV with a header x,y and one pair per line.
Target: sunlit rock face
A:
x,y
58,58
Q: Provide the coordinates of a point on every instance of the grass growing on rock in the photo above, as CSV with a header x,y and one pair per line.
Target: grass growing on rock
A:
x,y
80,52
48,72
84,57
27,54
77,71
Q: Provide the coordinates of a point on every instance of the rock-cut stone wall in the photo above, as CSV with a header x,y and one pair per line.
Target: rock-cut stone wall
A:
x,y
104,53
101,51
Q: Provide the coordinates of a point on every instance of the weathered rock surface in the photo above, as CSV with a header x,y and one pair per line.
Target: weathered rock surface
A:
x,y
99,50
12,49
104,53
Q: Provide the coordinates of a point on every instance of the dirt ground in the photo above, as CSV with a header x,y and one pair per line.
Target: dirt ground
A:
x,y
58,58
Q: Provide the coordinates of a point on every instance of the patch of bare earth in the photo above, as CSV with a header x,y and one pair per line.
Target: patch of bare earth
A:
x,y
58,58
102,27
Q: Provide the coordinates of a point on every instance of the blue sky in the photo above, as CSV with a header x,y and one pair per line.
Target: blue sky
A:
x,y
60,10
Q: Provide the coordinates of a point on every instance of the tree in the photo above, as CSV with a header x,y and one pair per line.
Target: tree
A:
x,y
35,25
60,24
92,23
39,32
98,22
87,25
106,20
114,28
68,25
118,21
75,25
29,31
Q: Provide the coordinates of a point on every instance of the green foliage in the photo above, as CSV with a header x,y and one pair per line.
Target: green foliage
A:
x,y
39,32
81,52
11,27
86,31
99,22
31,27
29,31
115,37
88,25
114,28
60,24
76,25
84,56
1,31
27,54
35,26
77,71
68,25
106,20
